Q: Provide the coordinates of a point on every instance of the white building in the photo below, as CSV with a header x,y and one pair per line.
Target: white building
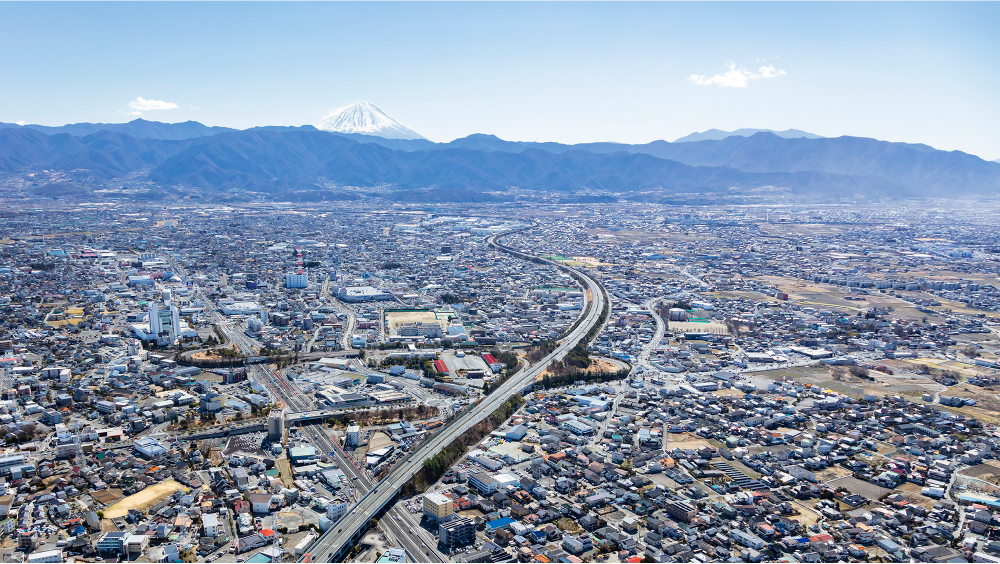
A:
x,y
352,434
164,325
46,556
149,447
360,294
210,521
66,445
243,308
296,280
164,320
335,510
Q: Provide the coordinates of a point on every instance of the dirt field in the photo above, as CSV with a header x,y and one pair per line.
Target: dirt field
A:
x,y
860,487
144,499
107,497
394,319
598,365
379,440
286,472
912,494
685,441
986,472
832,473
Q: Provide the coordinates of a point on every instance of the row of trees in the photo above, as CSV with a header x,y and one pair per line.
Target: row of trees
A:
x,y
437,465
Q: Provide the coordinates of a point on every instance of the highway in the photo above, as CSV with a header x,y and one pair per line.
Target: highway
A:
x,y
661,328
336,543
397,523
411,538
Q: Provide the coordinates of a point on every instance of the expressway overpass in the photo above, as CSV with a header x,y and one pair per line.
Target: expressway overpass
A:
x,y
335,545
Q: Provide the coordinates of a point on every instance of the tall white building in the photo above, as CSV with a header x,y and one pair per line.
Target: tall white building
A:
x,y
352,434
164,320
66,443
297,280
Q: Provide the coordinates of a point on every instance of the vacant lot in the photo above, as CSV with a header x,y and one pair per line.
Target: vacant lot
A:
x,y
107,497
985,472
144,499
911,492
860,487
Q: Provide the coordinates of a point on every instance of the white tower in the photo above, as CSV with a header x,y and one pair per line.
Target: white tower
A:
x,y
164,320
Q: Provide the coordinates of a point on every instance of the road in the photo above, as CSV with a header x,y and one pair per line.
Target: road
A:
x,y
661,328
335,544
419,544
408,537
352,318
280,388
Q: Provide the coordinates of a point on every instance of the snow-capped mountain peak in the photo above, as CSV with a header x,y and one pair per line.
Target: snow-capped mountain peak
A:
x,y
367,119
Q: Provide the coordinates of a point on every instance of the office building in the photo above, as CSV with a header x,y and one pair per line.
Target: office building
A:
x,y
296,280
438,507
275,427
456,532
164,321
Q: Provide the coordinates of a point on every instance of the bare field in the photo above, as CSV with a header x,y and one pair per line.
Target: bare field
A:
x,y
695,327
860,487
144,499
597,365
685,441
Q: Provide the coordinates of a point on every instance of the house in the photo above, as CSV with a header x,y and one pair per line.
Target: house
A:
x,y
260,503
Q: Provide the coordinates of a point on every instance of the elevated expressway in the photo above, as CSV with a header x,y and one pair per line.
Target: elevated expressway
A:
x,y
335,545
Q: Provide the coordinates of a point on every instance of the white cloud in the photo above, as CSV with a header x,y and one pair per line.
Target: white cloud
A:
x,y
736,77
141,104
135,113
770,72
22,122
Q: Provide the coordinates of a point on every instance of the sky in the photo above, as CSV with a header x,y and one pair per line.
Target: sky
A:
x,y
569,72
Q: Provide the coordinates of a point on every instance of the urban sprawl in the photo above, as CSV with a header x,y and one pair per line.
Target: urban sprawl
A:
x,y
499,383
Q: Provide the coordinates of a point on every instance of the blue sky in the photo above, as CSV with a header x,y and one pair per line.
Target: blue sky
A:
x,y
570,72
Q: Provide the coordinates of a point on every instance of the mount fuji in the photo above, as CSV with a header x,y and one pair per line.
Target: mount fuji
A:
x,y
365,118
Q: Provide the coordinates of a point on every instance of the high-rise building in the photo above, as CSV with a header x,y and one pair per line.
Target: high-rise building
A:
x,y
297,279
164,320
275,427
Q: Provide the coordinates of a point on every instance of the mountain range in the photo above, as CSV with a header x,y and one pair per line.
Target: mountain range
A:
x,y
138,128
718,134
307,163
